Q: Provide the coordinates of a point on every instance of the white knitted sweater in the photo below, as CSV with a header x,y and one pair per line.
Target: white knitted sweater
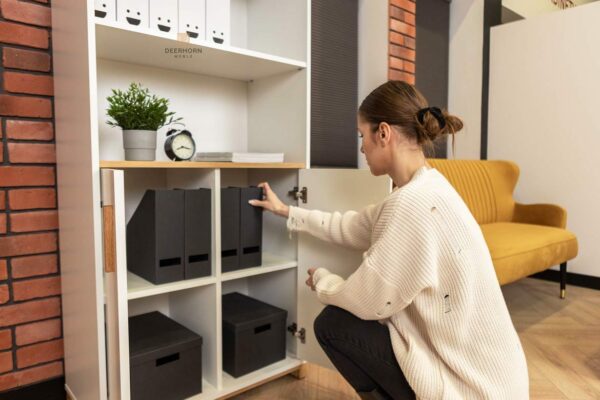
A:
x,y
428,275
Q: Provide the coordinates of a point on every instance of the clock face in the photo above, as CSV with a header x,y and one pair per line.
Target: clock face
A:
x,y
183,146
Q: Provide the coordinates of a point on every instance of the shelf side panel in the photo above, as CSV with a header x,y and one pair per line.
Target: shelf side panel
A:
x,y
78,187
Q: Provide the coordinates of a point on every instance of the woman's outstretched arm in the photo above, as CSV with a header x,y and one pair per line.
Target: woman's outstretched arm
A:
x,y
351,229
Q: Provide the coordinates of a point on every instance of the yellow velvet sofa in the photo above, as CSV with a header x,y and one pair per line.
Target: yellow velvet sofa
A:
x,y
522,238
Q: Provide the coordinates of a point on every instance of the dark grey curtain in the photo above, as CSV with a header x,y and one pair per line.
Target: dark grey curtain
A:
x,y
334,83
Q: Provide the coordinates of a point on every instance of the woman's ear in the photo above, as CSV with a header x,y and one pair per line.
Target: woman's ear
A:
x,y
384,133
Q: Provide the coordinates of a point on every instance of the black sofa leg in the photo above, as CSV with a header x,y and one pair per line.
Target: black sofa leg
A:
x,y
563,279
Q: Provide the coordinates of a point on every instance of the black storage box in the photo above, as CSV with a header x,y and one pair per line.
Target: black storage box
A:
x,y
155,237
253,334
241,228
165,358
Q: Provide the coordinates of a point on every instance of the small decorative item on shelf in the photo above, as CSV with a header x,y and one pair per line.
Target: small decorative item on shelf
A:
x,y
140,115
180,145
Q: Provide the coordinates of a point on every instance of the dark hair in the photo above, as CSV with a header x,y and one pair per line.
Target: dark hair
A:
x,y
398,103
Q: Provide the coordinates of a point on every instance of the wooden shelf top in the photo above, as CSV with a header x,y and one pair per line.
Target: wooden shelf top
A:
x,y
195,164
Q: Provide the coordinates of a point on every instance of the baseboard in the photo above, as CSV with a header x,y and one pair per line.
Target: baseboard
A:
x,y
586,281
53,389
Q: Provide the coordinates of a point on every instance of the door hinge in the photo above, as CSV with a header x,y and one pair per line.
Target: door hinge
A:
x,y
299,194
301,334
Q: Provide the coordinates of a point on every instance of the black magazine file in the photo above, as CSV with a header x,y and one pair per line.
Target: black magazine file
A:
x,y
230,229
155,237
198,212
250,228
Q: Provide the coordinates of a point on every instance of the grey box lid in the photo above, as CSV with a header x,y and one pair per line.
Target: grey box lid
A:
x,y
242,312
153,335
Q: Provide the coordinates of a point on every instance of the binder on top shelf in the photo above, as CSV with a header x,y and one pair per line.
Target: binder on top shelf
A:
x,y
197,233
163,15
155,237
250,228
230,228
133,13
105,9
192,19
218,21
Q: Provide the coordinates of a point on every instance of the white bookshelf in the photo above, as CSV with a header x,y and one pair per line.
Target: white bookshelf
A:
x,y
252,95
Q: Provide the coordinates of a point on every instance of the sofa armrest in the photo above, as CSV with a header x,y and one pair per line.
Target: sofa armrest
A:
x,y
540,214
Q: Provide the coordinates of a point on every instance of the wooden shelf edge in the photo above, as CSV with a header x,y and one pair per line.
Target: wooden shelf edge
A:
x,y
196,164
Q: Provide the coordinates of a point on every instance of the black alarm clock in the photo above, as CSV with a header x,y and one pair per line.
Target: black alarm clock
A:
x,y
180,145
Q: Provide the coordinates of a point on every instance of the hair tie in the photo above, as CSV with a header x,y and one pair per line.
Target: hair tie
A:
x,y
436,112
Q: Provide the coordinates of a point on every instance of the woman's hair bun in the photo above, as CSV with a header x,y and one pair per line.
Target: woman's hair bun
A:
x,y
431,123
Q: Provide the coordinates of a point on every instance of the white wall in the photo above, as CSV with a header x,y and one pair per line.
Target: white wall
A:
x,y
465,75
544,107
372,51
532,8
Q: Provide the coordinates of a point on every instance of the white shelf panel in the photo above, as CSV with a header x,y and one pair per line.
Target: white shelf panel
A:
x,y
271,263
232,385
138,287
145,47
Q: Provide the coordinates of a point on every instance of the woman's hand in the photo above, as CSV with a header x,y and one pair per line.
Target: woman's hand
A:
x,y
309,281
270,201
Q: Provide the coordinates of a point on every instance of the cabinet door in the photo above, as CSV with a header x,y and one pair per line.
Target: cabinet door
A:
x,y
330,190
115,283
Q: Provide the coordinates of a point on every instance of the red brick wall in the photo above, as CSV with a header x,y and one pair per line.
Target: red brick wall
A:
x,y
401,64
31,348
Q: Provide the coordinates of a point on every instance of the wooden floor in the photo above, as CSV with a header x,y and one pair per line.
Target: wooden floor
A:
x,y
561,339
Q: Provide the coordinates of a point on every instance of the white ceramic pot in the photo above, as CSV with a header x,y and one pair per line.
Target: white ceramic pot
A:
x,y
139,145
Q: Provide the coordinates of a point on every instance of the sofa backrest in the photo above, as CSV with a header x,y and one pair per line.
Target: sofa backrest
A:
x,y
486,186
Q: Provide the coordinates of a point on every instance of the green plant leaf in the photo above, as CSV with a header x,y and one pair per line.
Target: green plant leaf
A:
x,y
137,108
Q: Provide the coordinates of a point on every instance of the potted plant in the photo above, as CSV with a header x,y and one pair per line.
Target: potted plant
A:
x,y
140,115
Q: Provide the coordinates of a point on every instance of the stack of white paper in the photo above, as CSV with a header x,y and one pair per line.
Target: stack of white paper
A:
x,y
239,157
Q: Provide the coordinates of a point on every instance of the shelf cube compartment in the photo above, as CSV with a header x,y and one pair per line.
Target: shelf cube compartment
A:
x,y
192,18
163,15
253,334
105,9
165,358
132,13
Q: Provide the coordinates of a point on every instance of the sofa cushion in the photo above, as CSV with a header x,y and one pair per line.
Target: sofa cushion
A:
x,y
519,250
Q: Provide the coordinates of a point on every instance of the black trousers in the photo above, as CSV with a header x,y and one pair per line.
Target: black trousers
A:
x,y
362,352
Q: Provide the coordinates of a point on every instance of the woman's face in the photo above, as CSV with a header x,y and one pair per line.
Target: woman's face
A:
x,y
373,148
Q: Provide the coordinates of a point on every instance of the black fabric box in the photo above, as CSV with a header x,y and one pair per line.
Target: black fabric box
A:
x,y
253,334
155,237
165,358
